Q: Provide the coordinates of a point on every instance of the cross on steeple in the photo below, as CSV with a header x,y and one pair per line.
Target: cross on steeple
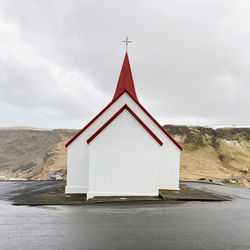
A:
x,y
127,42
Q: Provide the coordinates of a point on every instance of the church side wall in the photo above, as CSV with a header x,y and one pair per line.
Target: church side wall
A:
x,y
169,167
77,166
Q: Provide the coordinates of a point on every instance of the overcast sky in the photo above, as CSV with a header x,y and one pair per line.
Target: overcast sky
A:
x,y
60,60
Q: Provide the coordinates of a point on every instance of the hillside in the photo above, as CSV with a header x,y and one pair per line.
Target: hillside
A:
x,y
213,154
33,154
209,154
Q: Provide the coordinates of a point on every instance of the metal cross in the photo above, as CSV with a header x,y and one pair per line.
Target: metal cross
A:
x,y
127,42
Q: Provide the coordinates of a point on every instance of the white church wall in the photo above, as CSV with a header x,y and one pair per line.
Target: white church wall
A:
x,y
169,168
77,166
78,151
169,158
123,160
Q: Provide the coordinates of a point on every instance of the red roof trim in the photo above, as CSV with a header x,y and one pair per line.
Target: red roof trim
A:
x,y
125,107
109,105
92,121
156,123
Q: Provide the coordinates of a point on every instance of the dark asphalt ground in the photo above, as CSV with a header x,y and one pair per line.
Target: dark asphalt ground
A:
x,y
186,225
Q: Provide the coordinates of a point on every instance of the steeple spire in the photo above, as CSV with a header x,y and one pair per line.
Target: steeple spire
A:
x,y
126,42
125,82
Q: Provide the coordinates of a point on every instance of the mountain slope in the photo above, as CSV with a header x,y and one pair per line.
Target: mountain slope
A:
x,y
214,154
32,153
209,154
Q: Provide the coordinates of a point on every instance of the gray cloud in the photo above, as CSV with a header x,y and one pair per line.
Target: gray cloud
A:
x,y
60,60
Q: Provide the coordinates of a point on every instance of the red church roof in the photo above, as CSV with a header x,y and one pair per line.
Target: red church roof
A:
x,y
125,107
125,81
125,85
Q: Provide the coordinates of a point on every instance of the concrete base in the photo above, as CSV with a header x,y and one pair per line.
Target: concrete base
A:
x,y
76,190
173,188
37,193
100,194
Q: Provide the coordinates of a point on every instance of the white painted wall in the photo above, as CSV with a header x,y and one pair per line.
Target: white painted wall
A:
x,y
169,166
123,160
78,151
77,167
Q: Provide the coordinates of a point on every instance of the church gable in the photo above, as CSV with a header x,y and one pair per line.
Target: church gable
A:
x,y
117,114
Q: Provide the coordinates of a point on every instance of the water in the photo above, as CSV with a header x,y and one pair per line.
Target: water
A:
x,y
190,225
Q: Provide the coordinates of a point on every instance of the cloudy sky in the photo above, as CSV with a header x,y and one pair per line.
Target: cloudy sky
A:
x,y
60,60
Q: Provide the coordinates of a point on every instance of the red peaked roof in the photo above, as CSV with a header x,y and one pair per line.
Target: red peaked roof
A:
x,y
125,107
125,81
125,85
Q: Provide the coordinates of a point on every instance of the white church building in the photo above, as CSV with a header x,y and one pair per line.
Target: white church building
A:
x,y
123,151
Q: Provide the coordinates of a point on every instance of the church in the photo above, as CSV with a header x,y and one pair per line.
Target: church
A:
x,y
123,150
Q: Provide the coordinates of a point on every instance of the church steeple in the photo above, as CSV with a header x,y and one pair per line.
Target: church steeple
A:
x,y
125,81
